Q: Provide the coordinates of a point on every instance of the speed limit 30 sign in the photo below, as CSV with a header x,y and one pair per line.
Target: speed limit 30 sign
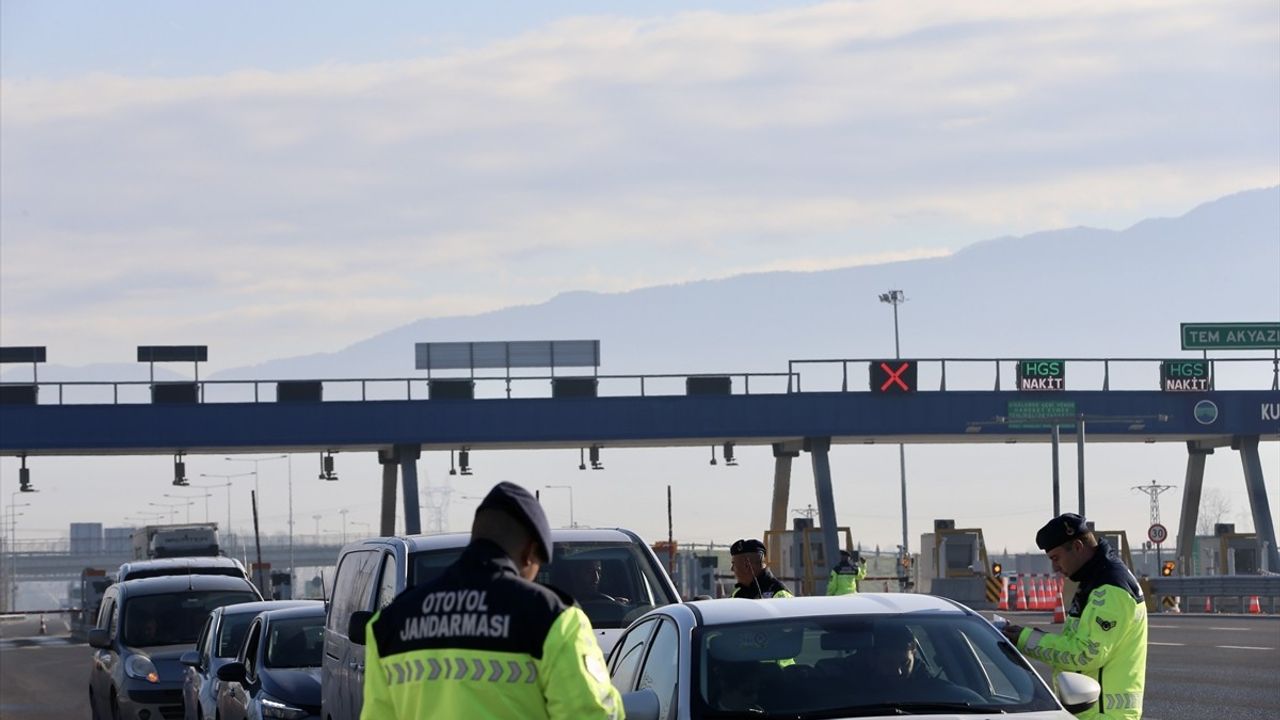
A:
x,y
1157,533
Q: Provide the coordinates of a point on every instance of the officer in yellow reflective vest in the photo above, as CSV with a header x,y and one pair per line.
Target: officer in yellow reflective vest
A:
x,y
483,640
846,574
755,580
1105,633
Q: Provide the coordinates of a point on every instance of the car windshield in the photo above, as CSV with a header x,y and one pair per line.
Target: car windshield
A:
x,y
167,571
613,582
173,618
296,642
847,666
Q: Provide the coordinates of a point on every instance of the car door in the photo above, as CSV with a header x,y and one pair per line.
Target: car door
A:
x,y
233,700
194,678
367,598
660,671
102,664
338,673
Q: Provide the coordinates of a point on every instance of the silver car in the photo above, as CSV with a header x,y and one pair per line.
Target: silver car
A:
x,y
219,641
869,655
143,627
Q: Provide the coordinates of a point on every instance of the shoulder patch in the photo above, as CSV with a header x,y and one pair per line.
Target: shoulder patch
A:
x,y
1104,624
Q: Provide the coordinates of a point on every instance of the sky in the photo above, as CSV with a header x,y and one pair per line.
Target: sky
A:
x,y
285,178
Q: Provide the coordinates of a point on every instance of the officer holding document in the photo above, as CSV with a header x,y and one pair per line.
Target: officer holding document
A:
x,y
483,640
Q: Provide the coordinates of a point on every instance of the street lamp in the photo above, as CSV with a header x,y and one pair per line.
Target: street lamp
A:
x,y
227,485
173,509
343,512
570,489
192,498
896,298
289,460
317,519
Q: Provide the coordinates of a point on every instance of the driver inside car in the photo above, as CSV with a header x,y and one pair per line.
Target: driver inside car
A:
x,y
583,582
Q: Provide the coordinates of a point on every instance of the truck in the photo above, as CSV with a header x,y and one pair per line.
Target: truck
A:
x,y
93,583
167,541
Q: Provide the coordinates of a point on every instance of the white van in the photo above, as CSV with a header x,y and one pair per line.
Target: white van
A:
x,y
372,572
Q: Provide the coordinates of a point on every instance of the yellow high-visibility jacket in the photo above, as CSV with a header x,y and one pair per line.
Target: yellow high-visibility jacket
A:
x,y
1104,636
482,642
844,578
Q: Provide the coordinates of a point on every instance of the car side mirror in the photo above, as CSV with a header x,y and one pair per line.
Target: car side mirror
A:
x,y
355,627
99,638
232,672
190,658
641,705
1077,692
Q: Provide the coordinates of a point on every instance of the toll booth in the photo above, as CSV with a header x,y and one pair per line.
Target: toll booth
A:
x,y
954,564
1240,554
798,557
281,585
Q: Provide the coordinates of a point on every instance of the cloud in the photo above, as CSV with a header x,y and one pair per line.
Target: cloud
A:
x,y
590,152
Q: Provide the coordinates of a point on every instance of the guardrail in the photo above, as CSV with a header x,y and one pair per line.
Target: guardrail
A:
x,y
1219,592
961,373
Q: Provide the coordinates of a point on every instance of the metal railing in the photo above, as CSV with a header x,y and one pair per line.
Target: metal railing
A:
x,y
990,373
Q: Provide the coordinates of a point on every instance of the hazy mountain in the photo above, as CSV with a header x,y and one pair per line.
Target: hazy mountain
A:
x,y
1072,292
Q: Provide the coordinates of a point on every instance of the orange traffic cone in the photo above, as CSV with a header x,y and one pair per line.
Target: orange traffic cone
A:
x,y
1208,604
1022,592
1004,595
1255,607
1059,613
1042,594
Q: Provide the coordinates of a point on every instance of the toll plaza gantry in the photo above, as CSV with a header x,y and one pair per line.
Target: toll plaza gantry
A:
x,y
808,408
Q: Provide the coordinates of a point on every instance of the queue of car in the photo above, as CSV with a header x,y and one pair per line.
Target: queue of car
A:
x,y
201,644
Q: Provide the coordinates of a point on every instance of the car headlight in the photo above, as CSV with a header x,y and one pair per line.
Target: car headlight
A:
x,y
273,708
140,667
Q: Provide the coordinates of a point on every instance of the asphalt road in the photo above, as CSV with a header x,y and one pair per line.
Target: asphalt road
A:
x,y
1201,667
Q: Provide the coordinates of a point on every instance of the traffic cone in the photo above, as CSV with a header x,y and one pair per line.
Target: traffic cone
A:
x,y
1004,595
1059,613
1208,604
1255,607
1042,597
1022,592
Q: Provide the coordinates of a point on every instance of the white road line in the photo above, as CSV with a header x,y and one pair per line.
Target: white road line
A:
x,y
1232,629
1149,642
1165,627
1242,647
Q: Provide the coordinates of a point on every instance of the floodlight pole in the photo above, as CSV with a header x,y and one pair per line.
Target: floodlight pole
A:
x,y
896,298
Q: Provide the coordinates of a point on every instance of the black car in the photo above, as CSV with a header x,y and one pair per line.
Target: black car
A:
x,y
277,673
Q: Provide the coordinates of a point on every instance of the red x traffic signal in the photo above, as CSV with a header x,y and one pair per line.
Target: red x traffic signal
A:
x,y
893,376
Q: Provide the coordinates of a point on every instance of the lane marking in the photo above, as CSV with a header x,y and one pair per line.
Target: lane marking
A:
x,y
1149,642
1242,647
1165,627
1232,629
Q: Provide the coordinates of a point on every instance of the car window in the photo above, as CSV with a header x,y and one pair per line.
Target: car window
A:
x,y
614,582
662,667
627,656
174,618
251,650
841,664
347,585
386,582
106,616
295,643
231,634
202,644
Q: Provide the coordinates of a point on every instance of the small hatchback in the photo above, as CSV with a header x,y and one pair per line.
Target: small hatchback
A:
x,y
143,627
219,643
277,673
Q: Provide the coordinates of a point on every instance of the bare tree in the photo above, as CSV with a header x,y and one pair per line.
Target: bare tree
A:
x,y
1215,507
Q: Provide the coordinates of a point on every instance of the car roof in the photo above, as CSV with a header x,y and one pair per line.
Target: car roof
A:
x,y
442,541
177,583
735,610
253,608
183,562
298,609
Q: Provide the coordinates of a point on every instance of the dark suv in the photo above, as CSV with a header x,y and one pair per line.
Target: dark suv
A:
x,y
143,627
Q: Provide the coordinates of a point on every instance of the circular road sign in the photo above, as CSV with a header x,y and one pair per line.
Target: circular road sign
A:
x,y
1157,533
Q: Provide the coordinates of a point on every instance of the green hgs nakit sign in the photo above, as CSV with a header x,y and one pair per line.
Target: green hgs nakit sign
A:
x,y
1231,336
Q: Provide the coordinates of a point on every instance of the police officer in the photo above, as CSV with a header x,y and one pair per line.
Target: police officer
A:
x,y
483,640
755,580
1105,633
846,574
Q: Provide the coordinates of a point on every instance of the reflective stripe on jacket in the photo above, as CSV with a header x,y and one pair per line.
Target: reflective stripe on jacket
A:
x,y
1104,636
482,642
845,577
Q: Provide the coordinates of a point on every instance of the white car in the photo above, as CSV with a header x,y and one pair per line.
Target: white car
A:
x,y
870,655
